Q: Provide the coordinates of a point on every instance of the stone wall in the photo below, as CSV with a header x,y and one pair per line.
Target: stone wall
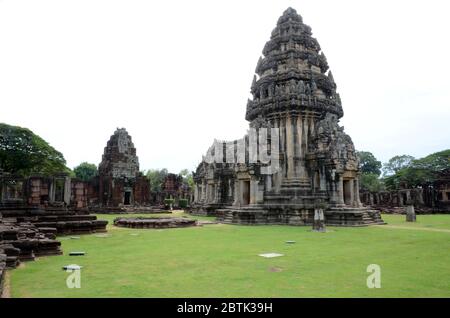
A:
x,y
425,200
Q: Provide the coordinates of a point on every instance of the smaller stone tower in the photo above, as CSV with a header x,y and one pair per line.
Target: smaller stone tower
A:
x,y
120,183
119,159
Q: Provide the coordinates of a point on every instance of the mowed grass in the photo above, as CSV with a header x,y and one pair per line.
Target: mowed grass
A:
x,y
222,261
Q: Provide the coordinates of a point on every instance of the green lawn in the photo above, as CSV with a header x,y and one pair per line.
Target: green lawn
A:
x,y
222,261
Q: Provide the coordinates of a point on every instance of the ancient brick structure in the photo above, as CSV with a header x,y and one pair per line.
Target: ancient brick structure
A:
x,y
173,187
22,241
430,198
294,98
120,183
34,210
57,202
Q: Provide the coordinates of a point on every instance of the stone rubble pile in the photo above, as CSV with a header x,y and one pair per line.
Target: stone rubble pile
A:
x,y
156,223
63,220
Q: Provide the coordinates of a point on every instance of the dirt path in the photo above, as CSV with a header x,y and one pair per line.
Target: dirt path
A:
x,y
412,228
7,287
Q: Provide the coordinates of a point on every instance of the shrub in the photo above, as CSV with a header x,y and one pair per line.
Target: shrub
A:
x,y
183,203
168,203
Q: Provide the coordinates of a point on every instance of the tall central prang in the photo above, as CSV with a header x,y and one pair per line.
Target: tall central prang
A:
x,y
294,93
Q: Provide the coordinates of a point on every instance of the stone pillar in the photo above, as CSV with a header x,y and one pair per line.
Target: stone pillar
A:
x,y
340,189
420,196
410,214
332,184
253,191
290,148
283,145
218,191
351,186
319,221
237,192
322,179
300,153
51,191
203,191
196,193
400,198
67,190
268,182
356,193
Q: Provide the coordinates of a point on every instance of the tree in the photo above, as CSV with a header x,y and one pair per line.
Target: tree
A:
x,y
85,171
396,163
188,179
24,153
368,163
157,178
421,172
371,182
436,162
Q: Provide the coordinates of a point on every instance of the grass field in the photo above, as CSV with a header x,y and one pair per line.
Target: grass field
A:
x,y
222,261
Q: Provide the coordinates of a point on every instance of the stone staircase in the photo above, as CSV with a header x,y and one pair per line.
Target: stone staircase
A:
x,y
261,215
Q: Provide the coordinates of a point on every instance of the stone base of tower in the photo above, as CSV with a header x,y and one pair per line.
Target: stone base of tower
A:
x,y
264,215
261,215
349,216
205,209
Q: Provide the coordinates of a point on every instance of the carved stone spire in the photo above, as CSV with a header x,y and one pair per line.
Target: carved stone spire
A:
x,y
290,56
119,159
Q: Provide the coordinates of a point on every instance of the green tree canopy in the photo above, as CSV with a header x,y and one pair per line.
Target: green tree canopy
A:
x,y
24,153
421,172
85,171
396,163
368,163
188,179
156,178
371,182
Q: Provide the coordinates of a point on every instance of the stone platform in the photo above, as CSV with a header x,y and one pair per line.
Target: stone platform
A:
x,y
205,209
262,215
153,223
65,221
129,210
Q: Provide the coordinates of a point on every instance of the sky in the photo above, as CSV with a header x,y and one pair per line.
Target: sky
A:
x,y
177,74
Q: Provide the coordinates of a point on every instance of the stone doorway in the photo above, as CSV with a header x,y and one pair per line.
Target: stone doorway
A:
x,y
127,198
246,192
59,190
347,192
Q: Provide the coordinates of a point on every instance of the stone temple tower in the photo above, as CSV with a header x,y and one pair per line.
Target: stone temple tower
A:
x,y
119,158
119,182
293,91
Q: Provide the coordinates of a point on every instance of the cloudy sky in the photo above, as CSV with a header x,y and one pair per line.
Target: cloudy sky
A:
x,y
177,74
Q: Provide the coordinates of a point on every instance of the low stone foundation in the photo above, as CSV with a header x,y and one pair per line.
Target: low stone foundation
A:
x,y
60,218
153,223
129,210
261,215
205,209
